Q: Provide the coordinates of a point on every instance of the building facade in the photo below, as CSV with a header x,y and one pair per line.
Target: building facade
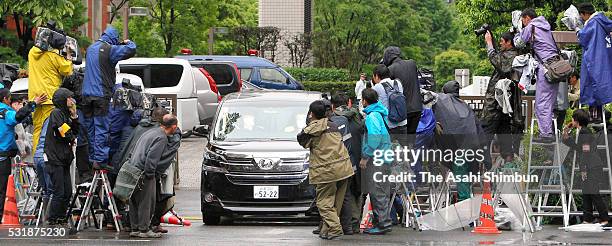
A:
x,y
98,16
292,17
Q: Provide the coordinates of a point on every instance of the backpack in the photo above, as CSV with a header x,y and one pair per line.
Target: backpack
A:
x,y
397,103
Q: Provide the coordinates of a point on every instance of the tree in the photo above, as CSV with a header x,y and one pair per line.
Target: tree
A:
x,y
34,13
116,6
271,42
351,33
299,48
446,62
243,37
172,25
260,38
232,14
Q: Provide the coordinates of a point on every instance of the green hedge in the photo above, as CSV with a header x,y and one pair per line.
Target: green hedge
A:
x,y
331,86
319,74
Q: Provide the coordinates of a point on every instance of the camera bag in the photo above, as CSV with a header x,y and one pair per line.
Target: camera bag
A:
x,y
558,68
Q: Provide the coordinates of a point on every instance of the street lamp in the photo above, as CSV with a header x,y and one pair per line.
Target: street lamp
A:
x,y
131,11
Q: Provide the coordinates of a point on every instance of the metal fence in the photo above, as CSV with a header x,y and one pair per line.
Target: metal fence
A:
x,y
477,103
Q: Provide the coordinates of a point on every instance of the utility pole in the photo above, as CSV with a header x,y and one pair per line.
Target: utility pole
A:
x,y
211,37
126,16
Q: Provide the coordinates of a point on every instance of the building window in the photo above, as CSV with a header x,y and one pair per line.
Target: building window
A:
x,y
307,16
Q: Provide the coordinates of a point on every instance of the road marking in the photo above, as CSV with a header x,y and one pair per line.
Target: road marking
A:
x,y
278,231
77,239
192,218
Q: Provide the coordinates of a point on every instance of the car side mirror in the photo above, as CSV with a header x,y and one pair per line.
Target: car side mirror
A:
x,y
202,130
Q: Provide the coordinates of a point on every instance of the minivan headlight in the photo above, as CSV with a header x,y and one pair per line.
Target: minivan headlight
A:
x,y
211,161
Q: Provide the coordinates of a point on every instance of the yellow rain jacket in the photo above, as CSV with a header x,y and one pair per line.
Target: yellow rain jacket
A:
x,y
46,70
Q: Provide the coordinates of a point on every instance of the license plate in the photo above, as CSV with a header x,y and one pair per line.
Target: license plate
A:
x,y
265,192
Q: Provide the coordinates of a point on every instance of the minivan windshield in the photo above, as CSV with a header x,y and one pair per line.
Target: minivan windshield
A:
x,y
256,121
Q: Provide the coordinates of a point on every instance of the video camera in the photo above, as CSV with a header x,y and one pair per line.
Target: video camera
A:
x,y
49,38
483,29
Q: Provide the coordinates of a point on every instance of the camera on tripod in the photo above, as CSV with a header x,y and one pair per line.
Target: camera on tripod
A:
x,y
49,38
483,29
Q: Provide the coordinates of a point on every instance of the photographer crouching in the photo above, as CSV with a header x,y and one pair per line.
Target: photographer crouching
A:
x,y
505,125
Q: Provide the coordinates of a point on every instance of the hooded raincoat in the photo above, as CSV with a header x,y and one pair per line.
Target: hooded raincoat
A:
x,y
406,72
45,76
62,130
596,69
102,57
329,158
544,48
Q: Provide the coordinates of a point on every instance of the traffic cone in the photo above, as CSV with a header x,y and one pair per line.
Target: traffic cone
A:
x,y
486,224
11,215
172,218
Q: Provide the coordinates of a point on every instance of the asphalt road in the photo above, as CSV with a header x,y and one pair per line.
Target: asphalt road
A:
x,y
288,231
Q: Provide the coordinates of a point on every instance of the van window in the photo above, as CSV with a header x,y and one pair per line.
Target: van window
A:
x,y
245,73
135,70
155,75
272,75
164,75
221,73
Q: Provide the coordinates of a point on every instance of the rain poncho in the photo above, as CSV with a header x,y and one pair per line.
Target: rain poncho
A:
x,y
596,70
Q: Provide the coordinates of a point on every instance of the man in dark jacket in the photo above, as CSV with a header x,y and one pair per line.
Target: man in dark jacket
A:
x,y
496,122
406,72
590,165
351,127
127,146
102,57
62,131
146,157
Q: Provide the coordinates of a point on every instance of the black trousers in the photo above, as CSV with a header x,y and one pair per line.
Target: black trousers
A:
x,y
62,191
162,205
560,114
413,122
142,205
85,172
590,200
400,134
5,172
346,214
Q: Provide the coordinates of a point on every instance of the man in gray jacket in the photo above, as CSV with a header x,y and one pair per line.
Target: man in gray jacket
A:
x,y
146,157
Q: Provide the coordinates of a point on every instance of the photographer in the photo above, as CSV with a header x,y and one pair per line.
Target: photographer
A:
x,y
9,118
596,42
102,57
537,33
47,69
494,119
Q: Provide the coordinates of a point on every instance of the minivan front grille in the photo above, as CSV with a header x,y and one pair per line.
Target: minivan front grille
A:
x,y
293,178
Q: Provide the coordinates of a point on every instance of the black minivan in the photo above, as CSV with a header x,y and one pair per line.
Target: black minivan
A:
x,y
252,163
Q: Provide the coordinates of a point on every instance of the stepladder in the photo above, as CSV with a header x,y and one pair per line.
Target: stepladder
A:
x,y
28,192
548,195
98,199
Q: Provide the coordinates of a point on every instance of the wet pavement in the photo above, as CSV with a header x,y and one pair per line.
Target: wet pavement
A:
x,y
287,231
